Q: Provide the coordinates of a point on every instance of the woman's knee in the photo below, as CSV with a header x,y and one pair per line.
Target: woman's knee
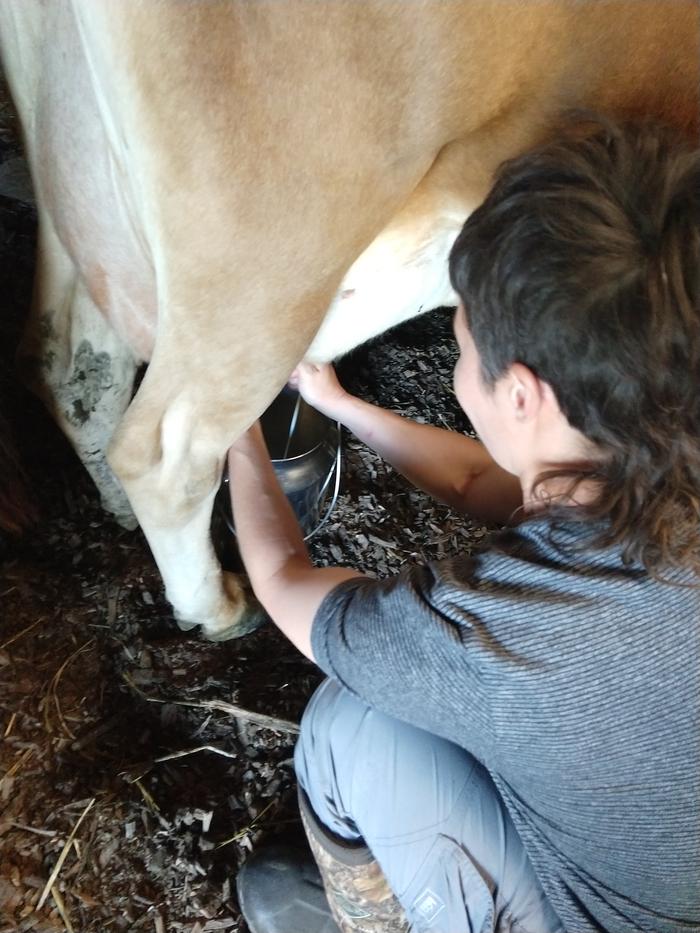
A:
x,y
372,771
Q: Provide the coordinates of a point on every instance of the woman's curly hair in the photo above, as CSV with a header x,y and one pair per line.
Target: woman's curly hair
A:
x,y
584,264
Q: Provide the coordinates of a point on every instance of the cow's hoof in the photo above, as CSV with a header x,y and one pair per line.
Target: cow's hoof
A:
x,y
236,613
253,618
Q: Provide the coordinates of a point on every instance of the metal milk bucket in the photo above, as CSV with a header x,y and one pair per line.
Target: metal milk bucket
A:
x,y
305,451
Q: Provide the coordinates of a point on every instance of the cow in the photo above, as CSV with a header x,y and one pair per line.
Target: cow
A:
x,y
225,187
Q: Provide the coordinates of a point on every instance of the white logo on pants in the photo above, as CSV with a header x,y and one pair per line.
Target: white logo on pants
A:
x,y
428,905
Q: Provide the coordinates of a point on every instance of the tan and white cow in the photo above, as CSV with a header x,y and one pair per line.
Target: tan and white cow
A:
x,y
225,186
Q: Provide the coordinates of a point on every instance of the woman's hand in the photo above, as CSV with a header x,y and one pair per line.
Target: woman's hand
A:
x,y
318,385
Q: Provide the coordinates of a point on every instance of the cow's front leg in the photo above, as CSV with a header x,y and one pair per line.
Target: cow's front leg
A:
x,y
200,592
169,453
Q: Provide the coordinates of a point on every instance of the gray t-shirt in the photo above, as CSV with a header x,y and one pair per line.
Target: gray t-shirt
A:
x,y
576,681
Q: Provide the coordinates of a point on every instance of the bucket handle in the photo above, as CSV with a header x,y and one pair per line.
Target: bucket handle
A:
x,y
335,467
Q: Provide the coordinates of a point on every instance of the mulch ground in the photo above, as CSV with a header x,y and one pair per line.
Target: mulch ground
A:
x,y
139,765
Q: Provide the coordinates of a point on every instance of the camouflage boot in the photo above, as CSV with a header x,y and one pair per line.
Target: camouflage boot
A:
x,y
359,896
280,889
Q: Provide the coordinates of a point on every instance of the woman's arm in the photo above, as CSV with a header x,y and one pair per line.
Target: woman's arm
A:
x,y
449,466
271,545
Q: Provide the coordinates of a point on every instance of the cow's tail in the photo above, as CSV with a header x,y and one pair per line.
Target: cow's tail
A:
x,y
17,510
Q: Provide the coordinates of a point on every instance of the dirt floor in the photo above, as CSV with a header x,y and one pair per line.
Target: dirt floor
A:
x,y
139,765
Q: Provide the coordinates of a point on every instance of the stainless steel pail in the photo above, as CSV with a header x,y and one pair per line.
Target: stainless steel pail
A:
x,y
305,450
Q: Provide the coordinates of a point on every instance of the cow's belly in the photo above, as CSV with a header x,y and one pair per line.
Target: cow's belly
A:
x,y
84,186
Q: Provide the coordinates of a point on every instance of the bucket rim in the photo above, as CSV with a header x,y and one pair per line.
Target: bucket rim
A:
x,y
334,430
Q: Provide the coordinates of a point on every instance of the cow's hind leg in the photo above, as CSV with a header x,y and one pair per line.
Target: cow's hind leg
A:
x,y
78,366
169,453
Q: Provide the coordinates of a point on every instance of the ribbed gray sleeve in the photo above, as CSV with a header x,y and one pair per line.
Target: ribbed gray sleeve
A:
x,y
389,642
576,680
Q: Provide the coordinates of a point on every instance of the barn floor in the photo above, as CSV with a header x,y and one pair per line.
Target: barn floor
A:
x,y
135,775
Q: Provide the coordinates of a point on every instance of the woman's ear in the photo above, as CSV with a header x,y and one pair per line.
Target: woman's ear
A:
x,y
526,393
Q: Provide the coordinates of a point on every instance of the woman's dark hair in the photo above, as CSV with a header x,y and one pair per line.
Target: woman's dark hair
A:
x,y
583,263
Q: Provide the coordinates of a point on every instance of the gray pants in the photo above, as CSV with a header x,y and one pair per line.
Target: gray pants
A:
x,y
429,813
